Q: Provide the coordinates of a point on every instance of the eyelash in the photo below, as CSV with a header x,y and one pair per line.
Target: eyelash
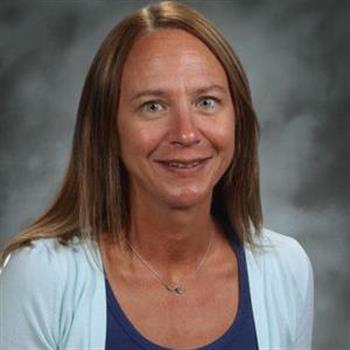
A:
x,y
155,102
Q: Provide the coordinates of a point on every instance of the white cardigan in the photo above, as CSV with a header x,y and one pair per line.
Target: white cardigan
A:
x,y
53,297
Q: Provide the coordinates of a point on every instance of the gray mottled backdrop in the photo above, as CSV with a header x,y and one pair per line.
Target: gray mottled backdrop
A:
x,y
297,62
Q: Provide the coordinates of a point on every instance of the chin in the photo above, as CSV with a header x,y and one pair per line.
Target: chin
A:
x,y
187,199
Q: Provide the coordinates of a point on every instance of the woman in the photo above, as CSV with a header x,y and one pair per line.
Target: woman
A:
x,y
155,239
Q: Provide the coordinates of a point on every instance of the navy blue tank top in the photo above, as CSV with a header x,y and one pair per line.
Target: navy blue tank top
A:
x,y
122,335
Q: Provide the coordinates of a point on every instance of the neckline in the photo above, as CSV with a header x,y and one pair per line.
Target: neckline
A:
x,y
243,300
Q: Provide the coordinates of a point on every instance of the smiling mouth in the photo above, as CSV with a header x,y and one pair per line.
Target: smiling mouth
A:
x,y
183,164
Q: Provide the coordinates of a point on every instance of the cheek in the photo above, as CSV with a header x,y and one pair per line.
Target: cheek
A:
x,y
224,135
137,140
228,149
228,138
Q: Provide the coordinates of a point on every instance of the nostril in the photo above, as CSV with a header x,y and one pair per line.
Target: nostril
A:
x,y
186,139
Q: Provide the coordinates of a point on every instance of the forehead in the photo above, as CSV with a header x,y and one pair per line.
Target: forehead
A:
x,y
166,57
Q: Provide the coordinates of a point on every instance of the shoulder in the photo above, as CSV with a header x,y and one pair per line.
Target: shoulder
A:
x,y
48,253
31,283
52,290
281,281
281,258
35,261
279,246
43,255
47,263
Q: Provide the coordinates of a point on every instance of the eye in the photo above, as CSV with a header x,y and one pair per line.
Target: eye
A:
x,y
208,102
152,106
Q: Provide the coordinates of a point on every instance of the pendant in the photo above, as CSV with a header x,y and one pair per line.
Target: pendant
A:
x,y
177,289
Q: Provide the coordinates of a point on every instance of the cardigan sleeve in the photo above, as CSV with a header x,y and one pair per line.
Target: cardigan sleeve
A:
x,y
290,293
29,289
304,328
295,260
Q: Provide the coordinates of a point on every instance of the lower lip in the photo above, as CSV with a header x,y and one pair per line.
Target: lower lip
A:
x,y
184,171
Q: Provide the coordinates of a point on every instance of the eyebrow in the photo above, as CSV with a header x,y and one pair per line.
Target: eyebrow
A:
x,y
160,92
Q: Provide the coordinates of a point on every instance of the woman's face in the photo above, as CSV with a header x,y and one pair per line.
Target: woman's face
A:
x,y
175,120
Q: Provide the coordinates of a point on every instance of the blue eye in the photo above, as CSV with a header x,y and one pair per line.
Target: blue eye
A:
x,y
208,102
152,106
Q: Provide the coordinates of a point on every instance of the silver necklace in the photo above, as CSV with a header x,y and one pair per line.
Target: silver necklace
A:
x,y
176,288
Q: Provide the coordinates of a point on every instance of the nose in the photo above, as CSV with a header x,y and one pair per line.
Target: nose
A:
x,y
184,130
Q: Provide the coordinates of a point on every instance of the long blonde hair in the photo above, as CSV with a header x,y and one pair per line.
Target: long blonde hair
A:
x,y
93,197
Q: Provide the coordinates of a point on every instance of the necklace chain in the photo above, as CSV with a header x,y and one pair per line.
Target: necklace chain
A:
x,y
177,288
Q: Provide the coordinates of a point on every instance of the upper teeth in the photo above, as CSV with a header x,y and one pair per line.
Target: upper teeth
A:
x,y
183,165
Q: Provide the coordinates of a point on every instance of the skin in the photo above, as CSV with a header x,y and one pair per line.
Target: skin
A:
x,y
175,107
180,124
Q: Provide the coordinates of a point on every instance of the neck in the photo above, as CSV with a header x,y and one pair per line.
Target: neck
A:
x,y
173,241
